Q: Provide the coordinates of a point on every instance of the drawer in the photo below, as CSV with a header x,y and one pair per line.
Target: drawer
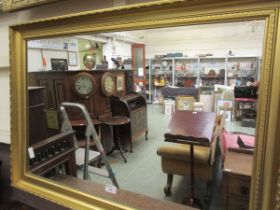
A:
x,y
240,187
237,204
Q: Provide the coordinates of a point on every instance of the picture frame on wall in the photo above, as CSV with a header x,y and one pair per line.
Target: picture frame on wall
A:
x,y
72,58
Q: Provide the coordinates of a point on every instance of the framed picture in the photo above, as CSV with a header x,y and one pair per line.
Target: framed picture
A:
x,y
120,82
72,58
185,103
59,64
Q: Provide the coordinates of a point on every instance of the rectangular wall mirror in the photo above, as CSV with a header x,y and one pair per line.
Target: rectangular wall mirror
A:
x,y
170,113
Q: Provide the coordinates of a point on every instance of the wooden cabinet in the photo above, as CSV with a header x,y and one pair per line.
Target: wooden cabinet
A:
x,y
237,179
37,126
134,107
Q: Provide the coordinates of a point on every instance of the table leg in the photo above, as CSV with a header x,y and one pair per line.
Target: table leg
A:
x,y
192,200
117,144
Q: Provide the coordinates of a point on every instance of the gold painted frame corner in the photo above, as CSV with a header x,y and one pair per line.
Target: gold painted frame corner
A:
x,y
13,5
152,15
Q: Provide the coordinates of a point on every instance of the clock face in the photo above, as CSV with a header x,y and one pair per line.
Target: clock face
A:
x,y
84,84
108,84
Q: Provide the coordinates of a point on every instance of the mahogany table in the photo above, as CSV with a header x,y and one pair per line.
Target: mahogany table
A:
x,y
116,121
193,128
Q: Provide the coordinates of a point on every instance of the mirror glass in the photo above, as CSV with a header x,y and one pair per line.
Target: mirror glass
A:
x,y
131,84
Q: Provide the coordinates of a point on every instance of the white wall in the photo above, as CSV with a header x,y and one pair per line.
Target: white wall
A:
x,y
242,38
35,62
117,48
5,105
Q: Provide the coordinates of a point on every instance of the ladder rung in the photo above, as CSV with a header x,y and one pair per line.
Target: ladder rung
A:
x,y
80,156
98,171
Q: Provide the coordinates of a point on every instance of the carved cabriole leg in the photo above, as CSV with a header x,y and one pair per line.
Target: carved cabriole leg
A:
x,y
208,192
167,188
146,135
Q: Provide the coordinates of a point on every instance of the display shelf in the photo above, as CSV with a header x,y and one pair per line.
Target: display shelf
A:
x,y
240,70
194,71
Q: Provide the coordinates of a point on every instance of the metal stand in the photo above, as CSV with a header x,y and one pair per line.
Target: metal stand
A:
x,y
87,154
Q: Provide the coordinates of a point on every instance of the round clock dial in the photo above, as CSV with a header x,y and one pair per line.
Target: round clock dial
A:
x,y
108,84
84,85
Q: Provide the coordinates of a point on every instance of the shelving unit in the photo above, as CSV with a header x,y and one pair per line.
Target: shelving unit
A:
x,y
186,71
214,65
194,71
241,70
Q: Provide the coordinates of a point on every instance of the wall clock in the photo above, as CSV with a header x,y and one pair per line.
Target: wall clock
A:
x,y
108,85
84,85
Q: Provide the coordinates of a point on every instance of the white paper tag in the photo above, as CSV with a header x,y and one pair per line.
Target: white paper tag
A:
x,y
31,152
110,188
227,169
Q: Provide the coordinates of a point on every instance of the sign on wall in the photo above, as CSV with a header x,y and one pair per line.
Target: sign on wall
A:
x,y
12,5
54,44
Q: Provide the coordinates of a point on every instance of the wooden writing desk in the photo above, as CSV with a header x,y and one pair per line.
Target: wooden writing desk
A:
x,y
193,128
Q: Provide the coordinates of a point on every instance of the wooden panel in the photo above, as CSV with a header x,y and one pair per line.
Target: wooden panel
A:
x,y
37,127
49,93
237,204
238,186
60,91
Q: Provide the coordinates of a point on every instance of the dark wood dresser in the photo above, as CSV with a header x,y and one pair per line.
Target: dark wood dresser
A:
x,y
134,107
237,178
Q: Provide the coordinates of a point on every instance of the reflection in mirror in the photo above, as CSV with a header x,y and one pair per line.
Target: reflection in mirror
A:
x,y
94,97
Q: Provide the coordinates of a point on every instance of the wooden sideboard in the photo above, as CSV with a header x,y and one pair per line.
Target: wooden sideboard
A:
x,y
134,107
237,178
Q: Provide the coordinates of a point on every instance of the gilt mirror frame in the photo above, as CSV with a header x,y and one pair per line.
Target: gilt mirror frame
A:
x,y
264,191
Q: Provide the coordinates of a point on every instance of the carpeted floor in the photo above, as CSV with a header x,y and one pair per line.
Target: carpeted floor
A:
x,y
142,173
